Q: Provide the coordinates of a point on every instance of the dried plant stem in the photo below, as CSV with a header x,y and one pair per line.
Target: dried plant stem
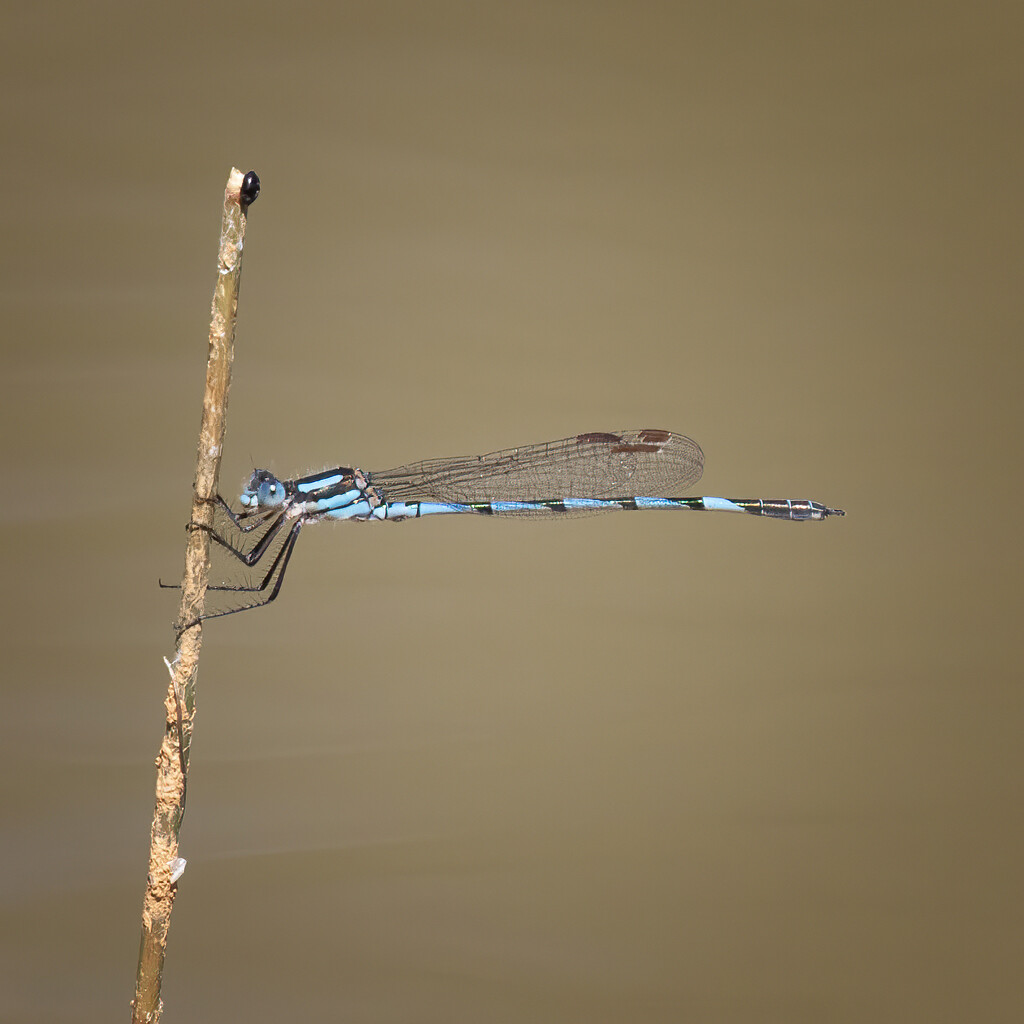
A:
x,y
179,703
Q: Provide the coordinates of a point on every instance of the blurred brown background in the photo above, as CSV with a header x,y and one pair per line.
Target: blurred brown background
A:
x,y
650,768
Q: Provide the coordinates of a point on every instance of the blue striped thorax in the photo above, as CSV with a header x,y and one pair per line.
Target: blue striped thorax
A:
x,y
313,496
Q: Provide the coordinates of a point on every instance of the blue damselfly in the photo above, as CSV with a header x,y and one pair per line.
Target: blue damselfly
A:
x,y
598,472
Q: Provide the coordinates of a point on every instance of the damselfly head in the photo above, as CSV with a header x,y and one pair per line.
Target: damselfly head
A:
x,y
264,490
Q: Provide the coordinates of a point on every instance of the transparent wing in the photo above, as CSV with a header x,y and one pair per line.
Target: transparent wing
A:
x,y
617,464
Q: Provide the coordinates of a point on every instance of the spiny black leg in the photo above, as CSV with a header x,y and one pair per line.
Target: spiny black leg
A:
x,y
241,520
249,558
268,575
282,559
245,521
259,549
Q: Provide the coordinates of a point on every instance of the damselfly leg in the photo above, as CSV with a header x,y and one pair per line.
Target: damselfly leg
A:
x,y
246,521
273,577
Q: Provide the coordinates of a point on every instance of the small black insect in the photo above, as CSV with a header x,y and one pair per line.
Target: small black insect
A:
x,y
250,189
